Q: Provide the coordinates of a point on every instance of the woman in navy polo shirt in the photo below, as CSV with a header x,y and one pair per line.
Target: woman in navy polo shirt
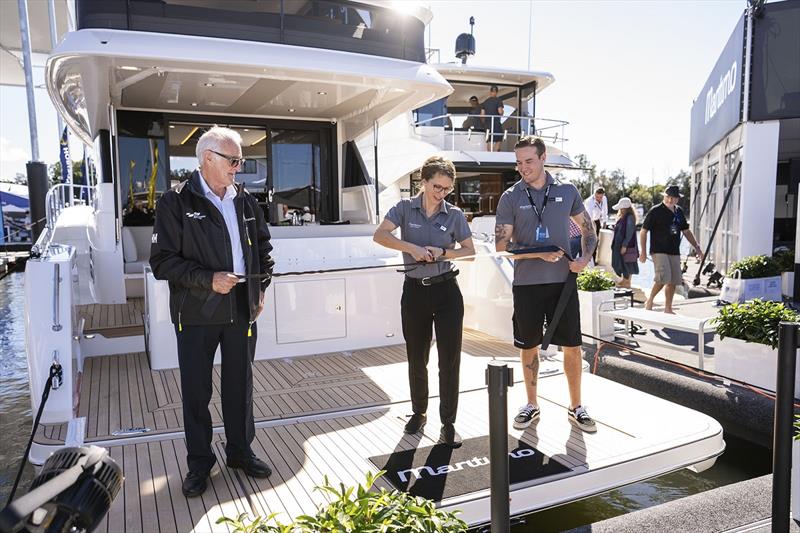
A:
x,y
430,228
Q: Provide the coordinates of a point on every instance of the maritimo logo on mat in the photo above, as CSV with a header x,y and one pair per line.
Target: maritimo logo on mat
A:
x,y
475,462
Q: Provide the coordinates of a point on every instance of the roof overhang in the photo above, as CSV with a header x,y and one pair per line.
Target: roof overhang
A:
x,y
92,69
456,72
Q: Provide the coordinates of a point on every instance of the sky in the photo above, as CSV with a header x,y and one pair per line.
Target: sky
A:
x,y
626,74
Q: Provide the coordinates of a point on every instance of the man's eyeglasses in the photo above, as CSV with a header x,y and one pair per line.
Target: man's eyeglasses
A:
x,y
439,188
234,161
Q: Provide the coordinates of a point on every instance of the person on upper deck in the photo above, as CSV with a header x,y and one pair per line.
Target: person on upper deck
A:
x,y
474,120
208,232
493,107
535,212
432,230
666,223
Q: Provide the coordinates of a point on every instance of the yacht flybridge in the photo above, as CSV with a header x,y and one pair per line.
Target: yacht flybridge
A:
x,y
453,128
303,82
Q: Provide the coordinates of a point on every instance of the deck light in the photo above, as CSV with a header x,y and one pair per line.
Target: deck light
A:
x,y
258,140
190,135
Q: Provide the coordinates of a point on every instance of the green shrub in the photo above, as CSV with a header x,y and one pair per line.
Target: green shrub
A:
x,y
753,321
595,279
755,266
358,509
784,260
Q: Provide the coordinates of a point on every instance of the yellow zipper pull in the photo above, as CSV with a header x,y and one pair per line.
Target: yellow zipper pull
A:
x,y
250,330
180,327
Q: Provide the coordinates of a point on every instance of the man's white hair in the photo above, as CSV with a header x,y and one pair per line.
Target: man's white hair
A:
x,y
213,139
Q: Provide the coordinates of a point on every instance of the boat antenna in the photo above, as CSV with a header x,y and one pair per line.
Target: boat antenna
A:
x,y
465,43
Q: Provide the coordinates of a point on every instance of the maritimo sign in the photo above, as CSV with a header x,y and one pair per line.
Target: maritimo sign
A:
x,y
718,107
715,98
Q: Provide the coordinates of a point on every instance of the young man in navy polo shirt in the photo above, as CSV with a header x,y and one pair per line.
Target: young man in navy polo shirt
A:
x,y
534,212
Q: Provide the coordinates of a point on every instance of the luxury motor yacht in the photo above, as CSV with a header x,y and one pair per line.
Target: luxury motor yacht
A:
x,y
304,82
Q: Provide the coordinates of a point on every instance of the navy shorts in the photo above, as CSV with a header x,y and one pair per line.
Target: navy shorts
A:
x,y
534,305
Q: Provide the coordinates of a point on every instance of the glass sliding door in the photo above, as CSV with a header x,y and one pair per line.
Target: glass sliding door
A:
x,y
295,175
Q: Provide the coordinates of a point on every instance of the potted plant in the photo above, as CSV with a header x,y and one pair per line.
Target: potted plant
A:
x,y
784,259
748,340
756,276
595,286
360,508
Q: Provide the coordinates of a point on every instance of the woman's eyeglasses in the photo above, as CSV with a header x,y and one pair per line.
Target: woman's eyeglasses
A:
x,y
234,161
440,189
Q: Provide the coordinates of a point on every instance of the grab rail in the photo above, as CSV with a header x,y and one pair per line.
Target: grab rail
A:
x,y
56,296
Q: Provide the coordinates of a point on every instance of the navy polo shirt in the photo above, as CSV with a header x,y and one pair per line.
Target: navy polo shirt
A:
x,y
444,229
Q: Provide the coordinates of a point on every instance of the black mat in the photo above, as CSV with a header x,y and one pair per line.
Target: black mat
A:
x,y
438,472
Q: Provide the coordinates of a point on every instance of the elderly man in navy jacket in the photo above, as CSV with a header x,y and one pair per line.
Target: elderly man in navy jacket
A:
x,y
209,239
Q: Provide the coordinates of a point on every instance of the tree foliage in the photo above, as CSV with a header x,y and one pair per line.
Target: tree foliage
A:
x,y
617,184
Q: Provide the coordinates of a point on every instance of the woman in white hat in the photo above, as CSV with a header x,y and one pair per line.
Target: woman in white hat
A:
x,y
624,251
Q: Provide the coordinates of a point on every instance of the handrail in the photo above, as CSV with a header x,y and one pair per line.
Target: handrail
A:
x,y
58,197
56,296
531,126
62,194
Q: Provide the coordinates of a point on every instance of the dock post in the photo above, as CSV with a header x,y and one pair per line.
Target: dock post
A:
x,y
498,378
784,413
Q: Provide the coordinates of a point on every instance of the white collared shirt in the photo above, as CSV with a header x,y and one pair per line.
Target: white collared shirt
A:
x,y
597,210
228,210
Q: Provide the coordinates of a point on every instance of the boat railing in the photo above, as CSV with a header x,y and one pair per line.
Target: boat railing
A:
x,y
477,132
59,197
63,195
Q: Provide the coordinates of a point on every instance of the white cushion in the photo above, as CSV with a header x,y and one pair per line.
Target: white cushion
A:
x,y
129,253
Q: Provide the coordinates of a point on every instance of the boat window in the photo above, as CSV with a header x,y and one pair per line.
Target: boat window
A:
x,y
432,114
143,165
327,24
295,174
468,195
142,178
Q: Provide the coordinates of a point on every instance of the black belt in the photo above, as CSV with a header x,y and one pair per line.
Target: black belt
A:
x,y
433,280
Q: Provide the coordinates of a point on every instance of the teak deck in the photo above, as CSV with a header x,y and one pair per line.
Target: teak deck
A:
x,y
325,415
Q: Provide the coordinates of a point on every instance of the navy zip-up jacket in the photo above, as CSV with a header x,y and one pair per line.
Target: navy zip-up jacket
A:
x,y
190,242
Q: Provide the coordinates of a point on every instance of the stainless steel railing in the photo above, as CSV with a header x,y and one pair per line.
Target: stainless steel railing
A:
x,y
443,131
57,199
62,195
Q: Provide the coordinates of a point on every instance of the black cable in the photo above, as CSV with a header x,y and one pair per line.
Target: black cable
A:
x,y
55,371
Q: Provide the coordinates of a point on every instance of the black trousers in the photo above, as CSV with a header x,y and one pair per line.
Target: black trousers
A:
x,y
597,231
196,348
437,306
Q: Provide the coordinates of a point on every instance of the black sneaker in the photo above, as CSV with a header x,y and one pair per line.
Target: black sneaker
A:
x,y
527,414
449,436
581,419
415,423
